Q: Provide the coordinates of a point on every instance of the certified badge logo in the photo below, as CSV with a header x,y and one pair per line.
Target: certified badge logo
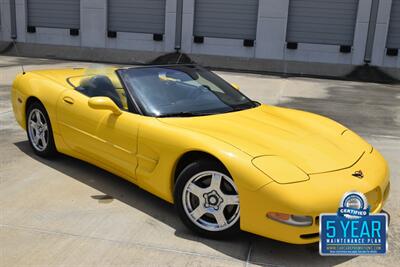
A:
x,y
354,205
352,230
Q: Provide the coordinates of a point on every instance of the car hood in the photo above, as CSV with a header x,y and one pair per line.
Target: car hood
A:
x,y
313,143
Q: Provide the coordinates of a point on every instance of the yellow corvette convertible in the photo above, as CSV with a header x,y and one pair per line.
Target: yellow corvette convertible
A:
x,y
191,138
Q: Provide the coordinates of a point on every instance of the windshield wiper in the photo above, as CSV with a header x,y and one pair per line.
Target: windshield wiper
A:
x,y
183,114
246,106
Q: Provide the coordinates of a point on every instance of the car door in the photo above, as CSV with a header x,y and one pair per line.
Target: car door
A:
x,y
99,134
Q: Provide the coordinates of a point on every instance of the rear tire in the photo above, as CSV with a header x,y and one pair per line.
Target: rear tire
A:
x,y
39,130
207,200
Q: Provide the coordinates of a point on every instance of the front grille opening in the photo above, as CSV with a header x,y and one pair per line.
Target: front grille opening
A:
x,y
309,236
316,220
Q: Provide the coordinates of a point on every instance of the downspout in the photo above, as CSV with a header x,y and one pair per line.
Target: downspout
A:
x,y
13,20
371,31
13,28
178,27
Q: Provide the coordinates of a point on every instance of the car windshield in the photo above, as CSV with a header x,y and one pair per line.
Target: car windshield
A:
x,y
182,90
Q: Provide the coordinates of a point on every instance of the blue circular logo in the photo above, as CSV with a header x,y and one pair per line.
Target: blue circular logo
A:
x,y
353,205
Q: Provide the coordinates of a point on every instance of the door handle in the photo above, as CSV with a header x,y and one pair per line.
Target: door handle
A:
x,y
68,100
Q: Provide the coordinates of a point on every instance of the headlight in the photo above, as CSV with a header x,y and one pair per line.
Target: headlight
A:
x,y
279,169
296,220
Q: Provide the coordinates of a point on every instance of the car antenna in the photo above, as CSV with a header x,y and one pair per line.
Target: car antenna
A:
x,y
18,55
179,58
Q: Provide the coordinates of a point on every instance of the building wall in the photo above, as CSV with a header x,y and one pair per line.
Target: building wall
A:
x,y
379,56
4,20
93,29
270,43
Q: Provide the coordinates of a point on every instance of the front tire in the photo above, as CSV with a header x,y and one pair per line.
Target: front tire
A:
x,y
207,199
39,131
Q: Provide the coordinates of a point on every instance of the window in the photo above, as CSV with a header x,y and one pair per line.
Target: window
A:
x,y
101,83
182,91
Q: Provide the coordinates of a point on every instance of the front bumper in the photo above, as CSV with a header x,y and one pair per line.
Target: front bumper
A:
x,y
321,194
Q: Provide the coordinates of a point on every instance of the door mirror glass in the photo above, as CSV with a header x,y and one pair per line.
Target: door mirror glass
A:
x,y
104,103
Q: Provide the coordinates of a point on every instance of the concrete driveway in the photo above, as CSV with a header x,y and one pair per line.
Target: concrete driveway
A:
x,y
67,212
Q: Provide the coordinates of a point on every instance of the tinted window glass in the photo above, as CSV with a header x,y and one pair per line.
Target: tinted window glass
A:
x,y
101,85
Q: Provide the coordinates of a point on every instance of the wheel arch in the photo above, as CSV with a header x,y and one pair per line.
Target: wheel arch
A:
x,y
30,87
236,164
190,157
30,100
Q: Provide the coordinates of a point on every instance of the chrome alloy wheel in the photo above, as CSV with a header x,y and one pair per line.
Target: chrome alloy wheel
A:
x,y
211,201
38,129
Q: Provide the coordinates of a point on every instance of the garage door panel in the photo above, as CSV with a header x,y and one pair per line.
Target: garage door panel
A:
x,y
211,23
54,13
393,39
138,18
223,7
326,22
328,37
141,16
151,4
140,12
323,14
322,21
323,4
235,19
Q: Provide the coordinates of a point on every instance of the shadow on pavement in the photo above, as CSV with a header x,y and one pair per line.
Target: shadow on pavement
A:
x,y
369,109
264,251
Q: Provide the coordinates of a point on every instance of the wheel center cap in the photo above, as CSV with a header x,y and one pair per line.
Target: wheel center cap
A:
x,y
212,200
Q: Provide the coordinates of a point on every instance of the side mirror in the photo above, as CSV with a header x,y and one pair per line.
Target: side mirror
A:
x,y
104,103
234,85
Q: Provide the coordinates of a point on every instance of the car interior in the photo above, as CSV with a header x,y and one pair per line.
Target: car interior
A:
x,y
102,85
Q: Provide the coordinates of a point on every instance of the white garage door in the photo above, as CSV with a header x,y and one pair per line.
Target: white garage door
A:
x,y
393,40
236,19
142,16
54,13
322,21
